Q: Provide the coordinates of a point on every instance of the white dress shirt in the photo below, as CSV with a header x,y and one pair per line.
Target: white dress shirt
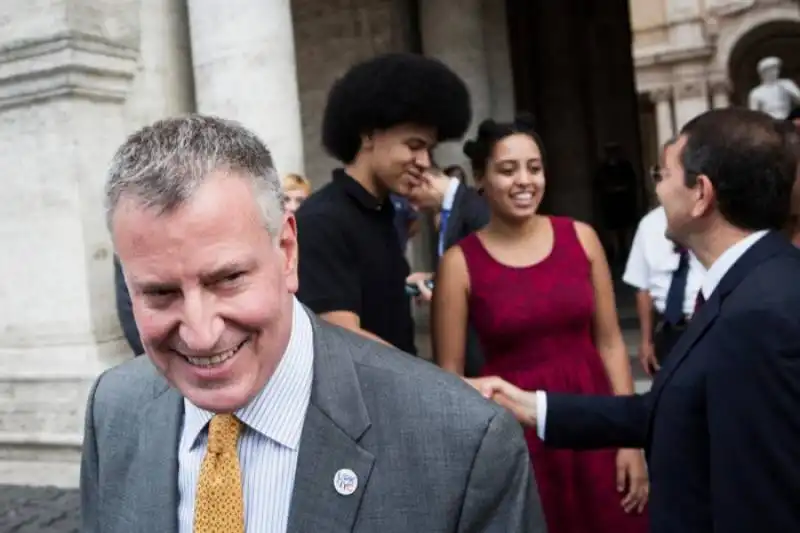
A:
x,y
268,445
447,206
653,260
715,274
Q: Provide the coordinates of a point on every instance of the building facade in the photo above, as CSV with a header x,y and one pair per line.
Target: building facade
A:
x,y
76,76
695,55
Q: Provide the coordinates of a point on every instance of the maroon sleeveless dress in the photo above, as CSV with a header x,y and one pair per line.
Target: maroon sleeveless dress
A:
x,y
535,327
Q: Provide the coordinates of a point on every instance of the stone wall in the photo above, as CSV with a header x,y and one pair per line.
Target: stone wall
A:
x,y
75,78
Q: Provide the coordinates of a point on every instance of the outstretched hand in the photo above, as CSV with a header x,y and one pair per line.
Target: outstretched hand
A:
x,y
522,404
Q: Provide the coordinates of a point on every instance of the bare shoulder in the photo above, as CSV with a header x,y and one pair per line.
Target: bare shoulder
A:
x,y
453,259
588,239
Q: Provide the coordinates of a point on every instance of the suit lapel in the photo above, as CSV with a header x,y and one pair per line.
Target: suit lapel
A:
x,y
768,246
157,490
452,232
335,422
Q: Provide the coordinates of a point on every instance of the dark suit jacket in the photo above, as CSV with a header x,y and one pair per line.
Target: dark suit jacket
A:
x,y
468,214
720,426
125,310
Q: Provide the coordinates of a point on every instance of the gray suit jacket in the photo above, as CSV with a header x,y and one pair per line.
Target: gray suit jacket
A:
x,y
433,455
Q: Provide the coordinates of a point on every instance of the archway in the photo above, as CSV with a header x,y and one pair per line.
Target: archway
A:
x,y
779,38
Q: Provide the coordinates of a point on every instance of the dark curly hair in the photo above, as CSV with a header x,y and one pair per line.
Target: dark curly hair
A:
x,y
390,90
479,150
749,159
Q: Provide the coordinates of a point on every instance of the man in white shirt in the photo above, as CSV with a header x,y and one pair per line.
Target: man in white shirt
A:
x,y
667,278
720,423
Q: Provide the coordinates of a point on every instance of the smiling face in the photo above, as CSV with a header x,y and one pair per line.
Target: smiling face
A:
x,y
399,155
211,290
514,180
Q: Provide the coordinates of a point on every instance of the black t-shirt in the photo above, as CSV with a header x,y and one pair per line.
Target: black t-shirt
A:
x,y
350,260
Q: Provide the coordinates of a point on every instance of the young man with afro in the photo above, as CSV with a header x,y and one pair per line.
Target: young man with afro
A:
x,y
381,121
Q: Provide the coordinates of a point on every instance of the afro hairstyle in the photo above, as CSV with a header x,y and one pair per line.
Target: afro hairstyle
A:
x,y
390,90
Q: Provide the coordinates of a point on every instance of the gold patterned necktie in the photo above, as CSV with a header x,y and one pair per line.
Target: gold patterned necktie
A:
x,y
219,506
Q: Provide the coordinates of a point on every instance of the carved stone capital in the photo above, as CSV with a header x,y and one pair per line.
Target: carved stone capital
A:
x,y
690,89
63,65
660,94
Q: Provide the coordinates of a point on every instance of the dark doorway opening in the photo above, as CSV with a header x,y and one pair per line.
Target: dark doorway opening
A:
x,y
573,69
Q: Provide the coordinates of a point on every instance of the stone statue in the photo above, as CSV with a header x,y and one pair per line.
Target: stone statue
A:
x,y
775,96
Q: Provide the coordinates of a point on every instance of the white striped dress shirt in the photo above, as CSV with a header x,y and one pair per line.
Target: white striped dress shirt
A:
x,y
268,446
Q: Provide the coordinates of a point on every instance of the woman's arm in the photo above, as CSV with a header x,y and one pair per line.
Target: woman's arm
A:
x,y
449,311
607,335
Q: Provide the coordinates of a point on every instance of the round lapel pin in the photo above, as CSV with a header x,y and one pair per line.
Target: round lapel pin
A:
x,y
345,482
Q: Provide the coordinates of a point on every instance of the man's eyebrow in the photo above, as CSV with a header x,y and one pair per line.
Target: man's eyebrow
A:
x,y
222,272
155,286
226,269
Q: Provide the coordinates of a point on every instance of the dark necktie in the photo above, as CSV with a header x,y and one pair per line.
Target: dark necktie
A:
x,y
699,301
673,309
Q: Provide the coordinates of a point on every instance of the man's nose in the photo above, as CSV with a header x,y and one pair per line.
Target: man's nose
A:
x,y
423,159
201,326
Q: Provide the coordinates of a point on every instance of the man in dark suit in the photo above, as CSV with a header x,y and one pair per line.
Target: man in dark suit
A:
x,y
462,210
720,424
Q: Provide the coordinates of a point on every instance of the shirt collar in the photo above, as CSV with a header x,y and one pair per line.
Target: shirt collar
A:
x,y
357,191
278,411
450,194
724,262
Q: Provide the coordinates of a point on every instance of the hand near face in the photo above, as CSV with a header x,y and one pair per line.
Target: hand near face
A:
x,y
429,192
522,404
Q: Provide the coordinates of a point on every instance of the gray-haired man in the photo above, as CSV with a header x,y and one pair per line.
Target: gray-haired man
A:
x,y
250,415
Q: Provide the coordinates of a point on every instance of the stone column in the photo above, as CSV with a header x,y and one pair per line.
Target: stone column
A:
x,y
662,99
720,93
691,99
64,81
498,60
453,33
243,55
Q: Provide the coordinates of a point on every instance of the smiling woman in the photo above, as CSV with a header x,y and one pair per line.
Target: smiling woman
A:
x,y
538,292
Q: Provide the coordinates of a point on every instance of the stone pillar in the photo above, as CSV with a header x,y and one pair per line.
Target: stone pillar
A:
x,y
691,99
498,60
665,129
453,33
720,93
64,78
243,55
163,86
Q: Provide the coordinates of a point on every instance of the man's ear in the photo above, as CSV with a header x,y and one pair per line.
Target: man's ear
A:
x,y
706,195
367,141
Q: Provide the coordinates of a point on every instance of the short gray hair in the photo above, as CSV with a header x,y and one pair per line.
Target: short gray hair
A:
x,y
163,164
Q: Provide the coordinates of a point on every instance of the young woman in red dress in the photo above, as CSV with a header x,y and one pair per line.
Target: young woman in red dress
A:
x,y
538,291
